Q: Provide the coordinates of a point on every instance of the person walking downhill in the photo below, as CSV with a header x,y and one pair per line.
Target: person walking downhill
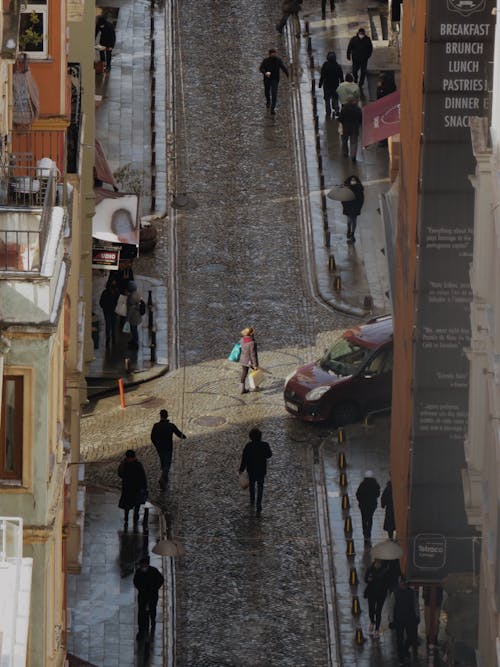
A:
x,y
162,435
406,620
351,118
270,68
360,48
249,359
367,496
134,486
108,301
254,461
148,580
330,77
352,209
377,581
107,39
387,504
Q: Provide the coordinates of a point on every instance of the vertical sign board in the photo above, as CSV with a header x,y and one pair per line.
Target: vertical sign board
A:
x,y
458,73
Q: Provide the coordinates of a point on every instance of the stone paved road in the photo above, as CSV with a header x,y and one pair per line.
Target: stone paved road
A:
x,y
249,591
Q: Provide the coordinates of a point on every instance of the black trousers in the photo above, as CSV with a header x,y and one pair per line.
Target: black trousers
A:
x,y
323,7
406,637
147,611
271,91
359,66
367,521
259,481
375,605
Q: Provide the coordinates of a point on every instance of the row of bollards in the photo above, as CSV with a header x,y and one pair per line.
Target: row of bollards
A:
x,y
350,549
332,267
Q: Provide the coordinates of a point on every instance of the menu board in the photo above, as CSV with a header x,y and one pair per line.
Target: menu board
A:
x,y
457,83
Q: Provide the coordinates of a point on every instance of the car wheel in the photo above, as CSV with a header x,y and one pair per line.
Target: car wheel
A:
x,y
345,413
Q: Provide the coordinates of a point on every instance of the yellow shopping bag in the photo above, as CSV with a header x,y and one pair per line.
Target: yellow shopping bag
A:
x,y
255,378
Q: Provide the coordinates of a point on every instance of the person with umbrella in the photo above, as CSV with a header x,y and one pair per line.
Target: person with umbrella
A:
x,y
367,496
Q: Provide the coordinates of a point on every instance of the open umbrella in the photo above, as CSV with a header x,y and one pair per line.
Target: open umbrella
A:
x,y
171,548
341,193
386,550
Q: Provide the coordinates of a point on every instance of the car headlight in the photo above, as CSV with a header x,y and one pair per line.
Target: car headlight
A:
x,y
316,393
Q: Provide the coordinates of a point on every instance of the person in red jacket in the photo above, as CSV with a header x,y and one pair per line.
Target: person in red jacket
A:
x,y
249,359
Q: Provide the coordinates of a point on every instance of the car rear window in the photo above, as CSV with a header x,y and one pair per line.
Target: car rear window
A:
x,y
344,357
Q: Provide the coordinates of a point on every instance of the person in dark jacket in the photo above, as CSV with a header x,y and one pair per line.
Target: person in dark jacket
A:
x,y
134,486
249,359
254,461
331,77
386,84
134,316
352,209
377,580
351,118
406,620
148,580
387,504
107,39
367,496
108,301
162,435
359,49
323,8
290,8
270,68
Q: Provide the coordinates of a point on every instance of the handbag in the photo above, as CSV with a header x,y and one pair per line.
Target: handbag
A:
x,y
255,378
235,352
244,481
121,306
126,327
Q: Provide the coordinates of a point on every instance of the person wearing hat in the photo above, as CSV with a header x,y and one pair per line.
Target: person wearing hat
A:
x,y
367,496
360,48
249,359
148,580
134,486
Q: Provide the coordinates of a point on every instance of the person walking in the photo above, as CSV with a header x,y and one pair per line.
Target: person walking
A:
x,y
134,486
270,68
352,208
254,461
359,49
330,77
406,620
249,358
348,90
387,504
351,118
367,496
377,581
148,580
107,39
162,435
108,301
134,315
290,8
323,8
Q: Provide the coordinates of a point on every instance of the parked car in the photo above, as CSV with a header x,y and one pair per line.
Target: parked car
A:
x,y
353,377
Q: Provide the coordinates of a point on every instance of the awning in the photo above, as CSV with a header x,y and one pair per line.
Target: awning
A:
x,y
102,172
116,218
381,119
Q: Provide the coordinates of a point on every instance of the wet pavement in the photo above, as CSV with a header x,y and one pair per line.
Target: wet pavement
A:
x,y
249,249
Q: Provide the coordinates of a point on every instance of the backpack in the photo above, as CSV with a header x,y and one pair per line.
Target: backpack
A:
x,y
142,307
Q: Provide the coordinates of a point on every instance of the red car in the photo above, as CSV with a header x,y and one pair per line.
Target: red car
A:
x,y
352,378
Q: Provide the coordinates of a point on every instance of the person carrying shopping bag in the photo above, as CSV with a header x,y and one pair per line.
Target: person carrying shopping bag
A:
x,y
249,359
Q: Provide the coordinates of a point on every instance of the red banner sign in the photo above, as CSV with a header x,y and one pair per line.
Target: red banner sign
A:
x,y
381,119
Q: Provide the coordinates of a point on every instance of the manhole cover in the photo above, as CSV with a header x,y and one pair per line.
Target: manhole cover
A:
x,y
210,421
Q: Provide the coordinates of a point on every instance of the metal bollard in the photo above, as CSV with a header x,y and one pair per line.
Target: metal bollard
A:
x,y
150,310
337,283
153,346
327,238
331,263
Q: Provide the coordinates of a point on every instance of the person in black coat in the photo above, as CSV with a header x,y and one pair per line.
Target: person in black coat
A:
x,y
352,209
254,461
270,68
331,77
106,39
377,580
387,504
148,580
108,301
367,496
351,118
406,619
360,49
134,486
162,435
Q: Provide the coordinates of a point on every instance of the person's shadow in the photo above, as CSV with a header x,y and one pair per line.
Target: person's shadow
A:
x,y
133,547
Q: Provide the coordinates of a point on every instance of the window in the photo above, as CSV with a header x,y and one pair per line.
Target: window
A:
x,y
33,27
11,428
